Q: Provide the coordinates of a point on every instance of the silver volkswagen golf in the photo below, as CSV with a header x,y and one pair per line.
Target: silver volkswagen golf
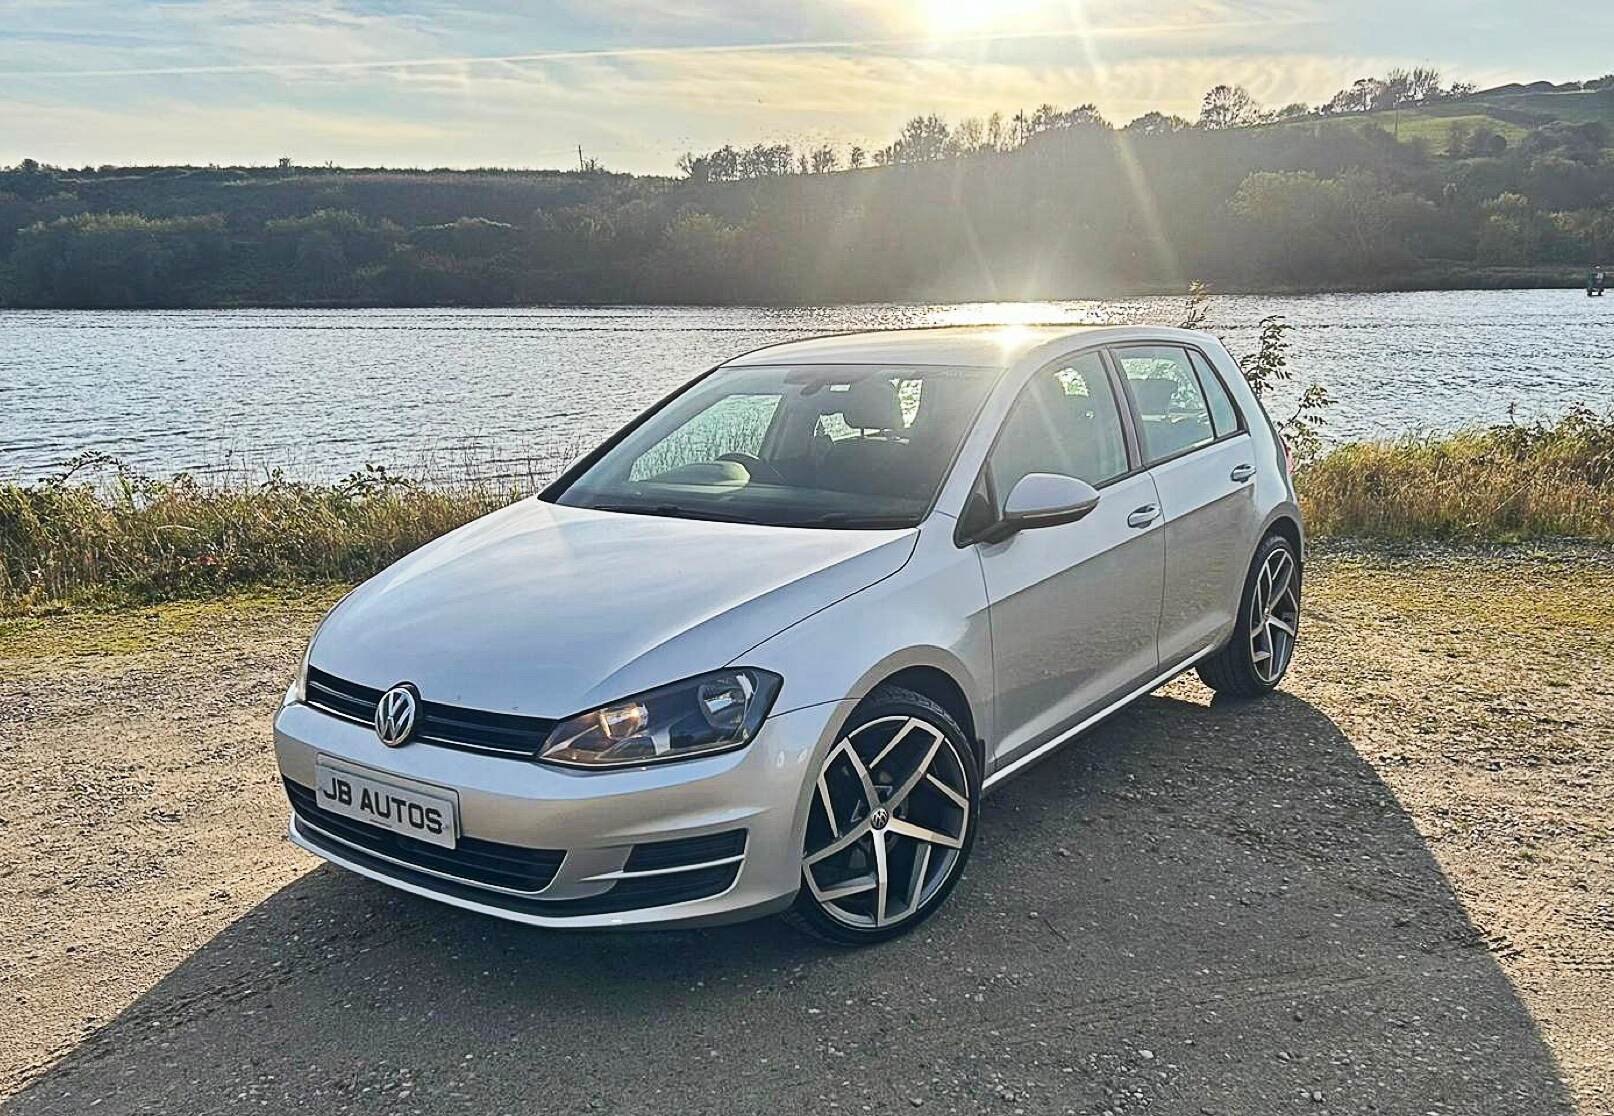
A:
x,y
764,649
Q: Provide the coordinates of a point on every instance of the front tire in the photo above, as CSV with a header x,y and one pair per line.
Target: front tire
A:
x,y
1263,644
892,821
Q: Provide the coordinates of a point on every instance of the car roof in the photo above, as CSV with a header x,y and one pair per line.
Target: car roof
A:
x,y
993,346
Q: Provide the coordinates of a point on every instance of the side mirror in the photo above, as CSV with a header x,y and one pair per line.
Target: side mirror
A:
x,y
1042,500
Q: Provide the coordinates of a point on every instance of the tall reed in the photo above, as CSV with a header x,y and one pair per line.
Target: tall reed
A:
x,y
1500,483
136,538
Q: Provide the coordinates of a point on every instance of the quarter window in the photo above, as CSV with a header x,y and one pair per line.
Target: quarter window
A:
x,y
1172,411
1223,414
1065,421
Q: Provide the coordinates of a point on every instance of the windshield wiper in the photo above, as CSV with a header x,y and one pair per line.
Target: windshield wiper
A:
x,y
844,520
671,511
857,522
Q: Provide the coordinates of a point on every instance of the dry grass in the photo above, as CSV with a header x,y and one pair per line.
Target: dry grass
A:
x,y
135,540
1500,484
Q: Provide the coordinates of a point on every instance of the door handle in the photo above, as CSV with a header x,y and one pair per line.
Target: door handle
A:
x,y
1241,473
1142,517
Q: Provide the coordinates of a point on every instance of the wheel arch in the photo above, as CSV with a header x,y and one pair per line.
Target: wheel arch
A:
x,y
943,689
1286,522
938,675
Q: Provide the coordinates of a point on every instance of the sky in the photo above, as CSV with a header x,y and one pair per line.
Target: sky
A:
x,y
637,82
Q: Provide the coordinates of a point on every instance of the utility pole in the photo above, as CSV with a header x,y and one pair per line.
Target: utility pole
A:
x,y
580,157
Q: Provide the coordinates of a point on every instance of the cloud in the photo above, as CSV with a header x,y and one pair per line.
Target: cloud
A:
x,y
865,99
74,37
452,82
198,134
637,112
294,32
310,37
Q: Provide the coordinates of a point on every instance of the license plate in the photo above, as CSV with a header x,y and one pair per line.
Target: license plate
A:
x,y
410,810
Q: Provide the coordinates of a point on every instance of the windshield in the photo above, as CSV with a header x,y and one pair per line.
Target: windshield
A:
x,y
851,446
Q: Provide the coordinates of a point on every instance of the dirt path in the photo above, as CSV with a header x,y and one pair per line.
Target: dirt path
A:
x,y
1391,889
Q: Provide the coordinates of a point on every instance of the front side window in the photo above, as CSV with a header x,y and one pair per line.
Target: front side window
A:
x,y
1066,421
1172,412
814,446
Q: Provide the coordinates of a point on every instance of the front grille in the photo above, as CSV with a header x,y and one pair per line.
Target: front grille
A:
x,y
485,862
448,726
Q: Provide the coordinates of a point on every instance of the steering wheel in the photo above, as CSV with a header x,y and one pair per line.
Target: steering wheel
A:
x,y
758,468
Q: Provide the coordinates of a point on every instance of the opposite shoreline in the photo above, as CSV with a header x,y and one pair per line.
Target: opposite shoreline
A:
x,y
1416,280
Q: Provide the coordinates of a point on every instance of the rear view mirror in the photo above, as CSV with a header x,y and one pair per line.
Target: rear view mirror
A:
x,y
1042,500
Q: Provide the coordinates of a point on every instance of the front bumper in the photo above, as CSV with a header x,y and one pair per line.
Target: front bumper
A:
x,y
596,819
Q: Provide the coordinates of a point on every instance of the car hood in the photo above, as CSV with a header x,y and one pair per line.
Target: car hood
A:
x,y
546,611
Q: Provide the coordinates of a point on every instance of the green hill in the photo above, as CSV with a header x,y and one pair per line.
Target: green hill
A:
x,y
1574,106
1428,126
1510,111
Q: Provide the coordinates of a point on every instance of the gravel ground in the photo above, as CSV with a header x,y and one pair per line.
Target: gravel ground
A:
x,y
1388,888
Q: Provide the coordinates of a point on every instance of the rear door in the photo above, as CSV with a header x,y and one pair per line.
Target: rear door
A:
x,y
1198,450
1075,608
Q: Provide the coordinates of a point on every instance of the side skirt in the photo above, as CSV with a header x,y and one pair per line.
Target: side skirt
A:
x,y
1042,750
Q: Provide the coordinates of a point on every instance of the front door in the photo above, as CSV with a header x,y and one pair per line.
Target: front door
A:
x,y
1074,608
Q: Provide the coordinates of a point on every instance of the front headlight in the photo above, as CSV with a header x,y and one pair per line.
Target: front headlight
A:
x,y
697,717
299,684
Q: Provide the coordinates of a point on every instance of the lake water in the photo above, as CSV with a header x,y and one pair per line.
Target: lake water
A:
x,y
516,392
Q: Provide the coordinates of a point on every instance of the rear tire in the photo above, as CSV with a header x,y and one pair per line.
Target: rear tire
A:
x,y
892,821
1258,655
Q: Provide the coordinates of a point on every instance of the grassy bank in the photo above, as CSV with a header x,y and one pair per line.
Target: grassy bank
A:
x,y
134,540
1498,484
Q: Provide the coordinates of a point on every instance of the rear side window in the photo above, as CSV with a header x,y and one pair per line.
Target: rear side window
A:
x,y
1172,412
1224,415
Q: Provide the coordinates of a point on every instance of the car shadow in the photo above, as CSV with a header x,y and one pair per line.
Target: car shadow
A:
x,y
1198,908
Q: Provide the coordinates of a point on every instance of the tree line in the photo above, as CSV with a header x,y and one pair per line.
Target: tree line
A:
x,y
930,137
1044,203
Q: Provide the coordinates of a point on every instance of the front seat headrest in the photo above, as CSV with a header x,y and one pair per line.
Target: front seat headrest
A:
x,y
872,404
